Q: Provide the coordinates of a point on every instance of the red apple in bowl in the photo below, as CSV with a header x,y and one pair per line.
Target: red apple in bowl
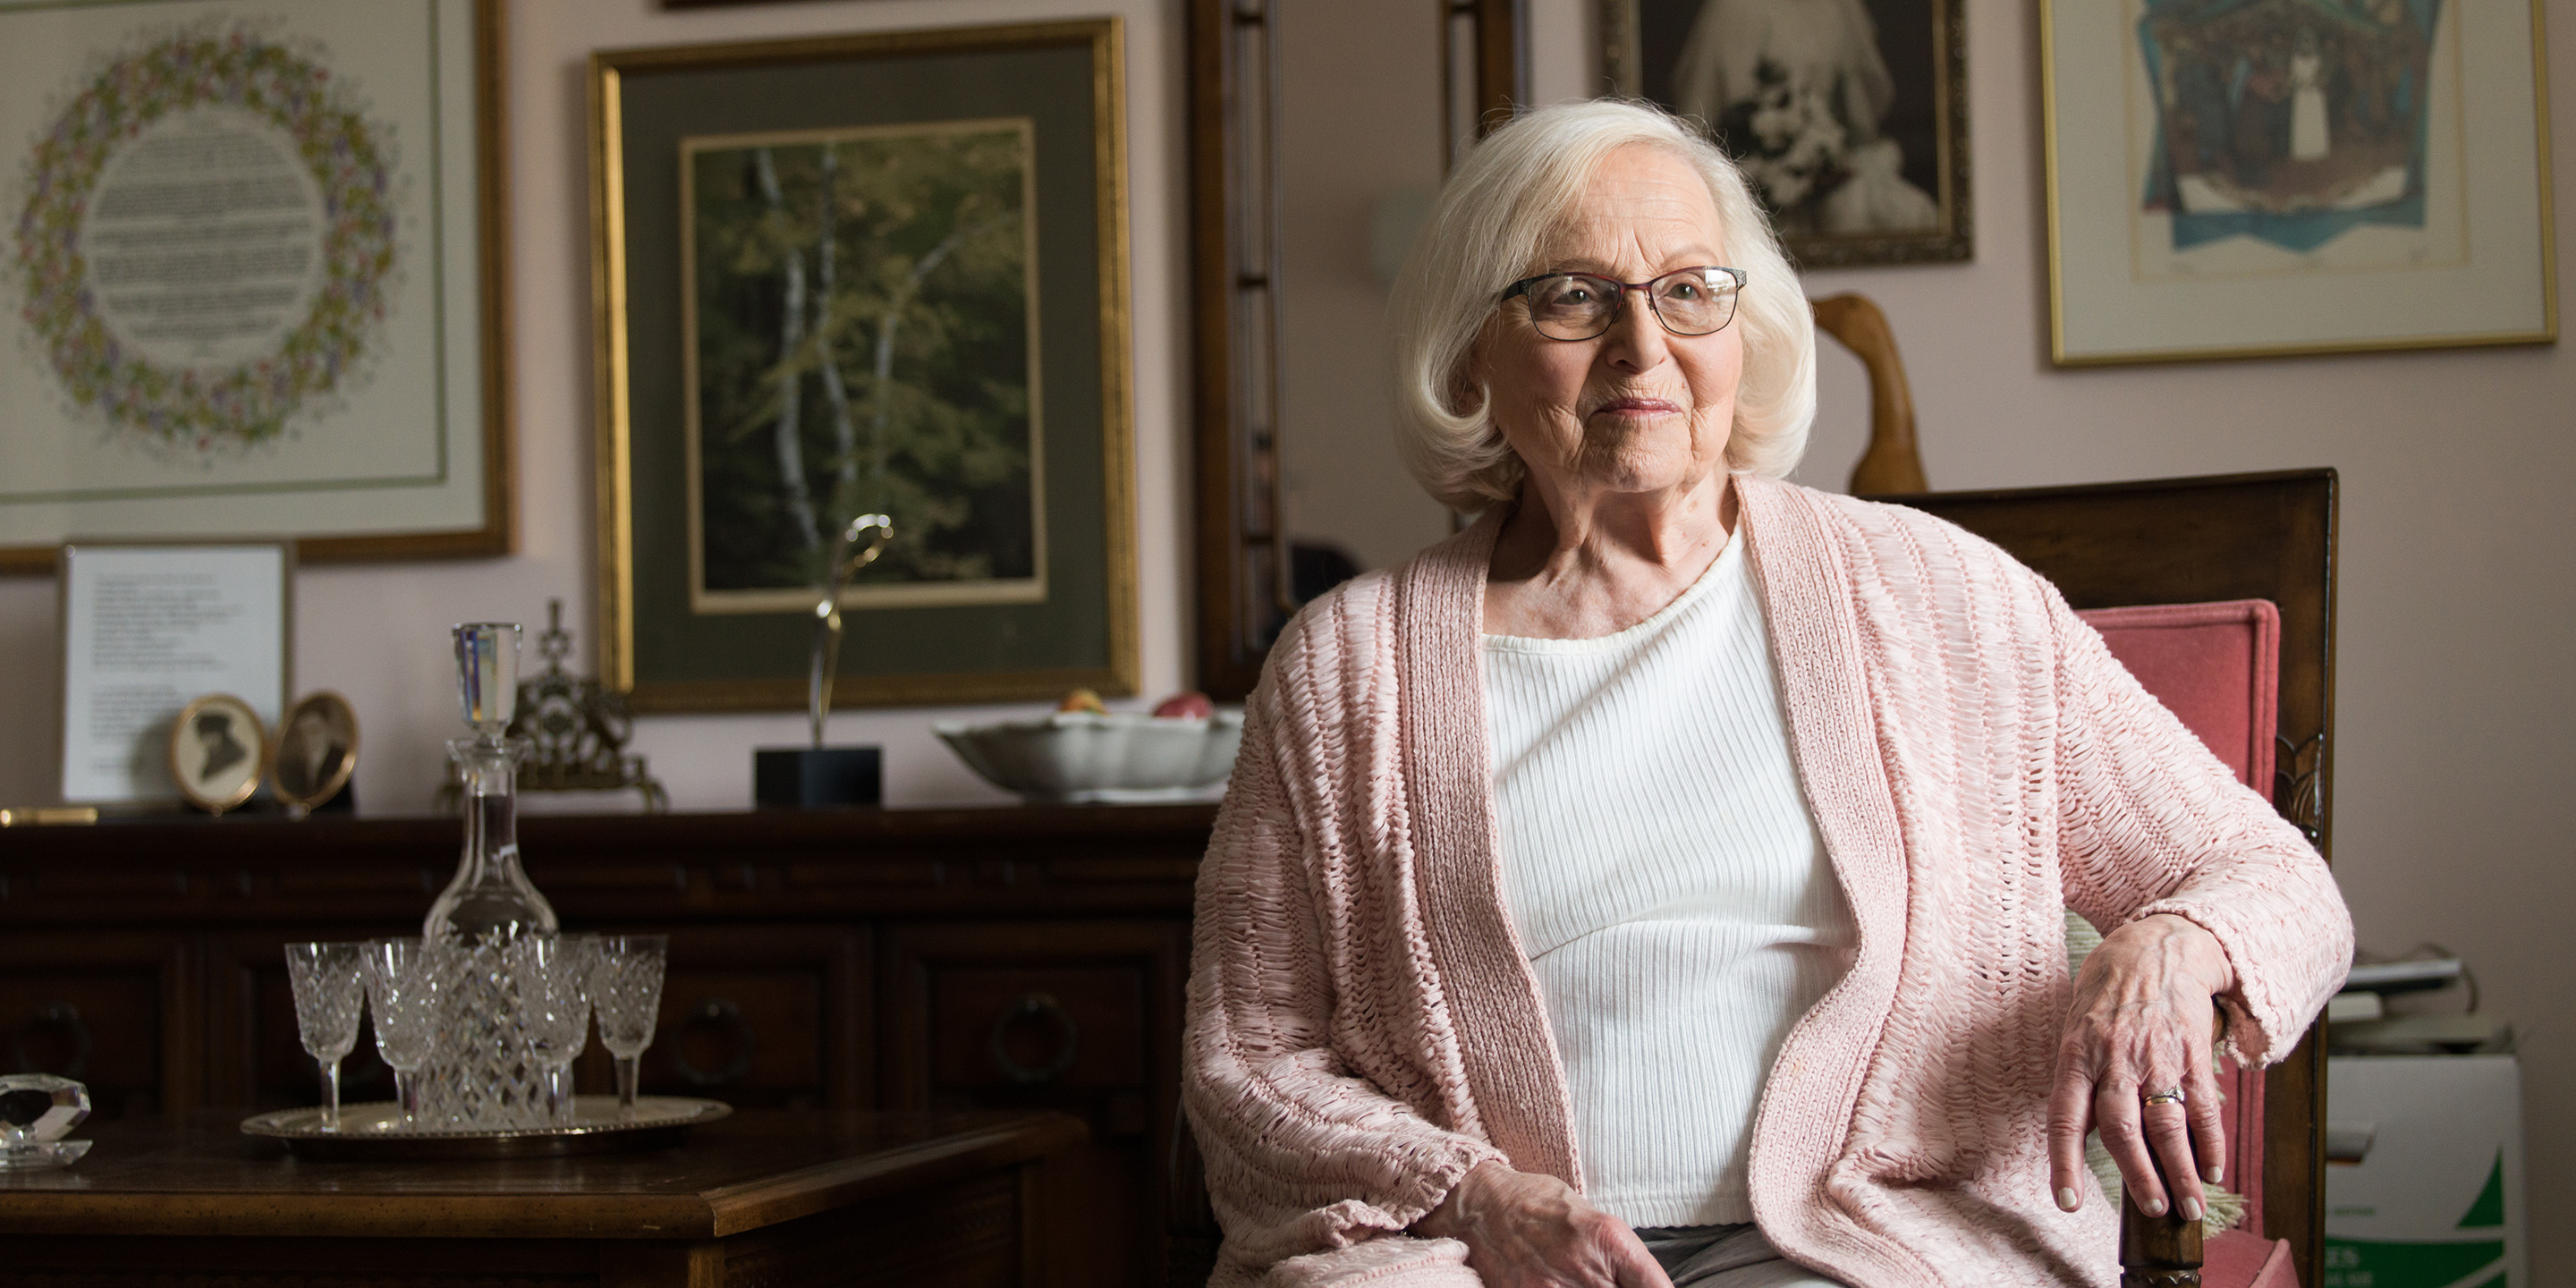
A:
x,y
1192,705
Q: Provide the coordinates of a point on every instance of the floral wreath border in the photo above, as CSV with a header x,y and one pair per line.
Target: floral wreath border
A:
x,y
248,402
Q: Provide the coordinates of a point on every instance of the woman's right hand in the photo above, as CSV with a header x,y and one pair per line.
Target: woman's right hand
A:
x,y
1525,1230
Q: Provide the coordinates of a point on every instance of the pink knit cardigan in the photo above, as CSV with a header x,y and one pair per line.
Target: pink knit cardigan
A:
x,y
1364,1028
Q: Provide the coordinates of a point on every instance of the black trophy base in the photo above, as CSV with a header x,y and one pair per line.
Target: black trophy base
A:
x,y
817,777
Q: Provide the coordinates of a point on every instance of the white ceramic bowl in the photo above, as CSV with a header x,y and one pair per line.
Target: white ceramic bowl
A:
x,y
1082,756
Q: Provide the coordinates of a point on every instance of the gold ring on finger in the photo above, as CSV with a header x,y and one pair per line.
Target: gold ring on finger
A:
x,y
2172,1096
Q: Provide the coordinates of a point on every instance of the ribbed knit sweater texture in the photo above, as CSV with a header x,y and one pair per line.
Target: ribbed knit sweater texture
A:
x,y
1364,1028
1668,884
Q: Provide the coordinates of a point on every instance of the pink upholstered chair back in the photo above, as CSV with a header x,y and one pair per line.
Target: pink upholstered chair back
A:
x,y
2217,667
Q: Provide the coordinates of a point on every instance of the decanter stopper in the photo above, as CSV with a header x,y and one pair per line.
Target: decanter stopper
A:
x,y
487,676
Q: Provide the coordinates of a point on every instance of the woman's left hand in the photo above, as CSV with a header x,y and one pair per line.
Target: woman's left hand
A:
x,y
2141,1025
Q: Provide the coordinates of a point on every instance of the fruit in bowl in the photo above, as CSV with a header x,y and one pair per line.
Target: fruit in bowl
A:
x,y
1082,754
1192,705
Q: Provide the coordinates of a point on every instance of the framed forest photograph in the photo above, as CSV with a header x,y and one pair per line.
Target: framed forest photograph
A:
x,y
1849,117
855,276
904,254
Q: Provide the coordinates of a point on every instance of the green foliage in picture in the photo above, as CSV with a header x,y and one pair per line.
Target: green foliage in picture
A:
x,y
862,305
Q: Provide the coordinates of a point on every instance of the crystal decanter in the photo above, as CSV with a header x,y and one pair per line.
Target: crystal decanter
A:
x,y
480,1076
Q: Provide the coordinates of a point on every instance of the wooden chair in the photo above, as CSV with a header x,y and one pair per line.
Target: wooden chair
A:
x,y
2267,537
2193,541
1891,465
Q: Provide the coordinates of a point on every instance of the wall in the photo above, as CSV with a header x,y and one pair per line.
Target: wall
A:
x,y
1359,130
2454,698
379,633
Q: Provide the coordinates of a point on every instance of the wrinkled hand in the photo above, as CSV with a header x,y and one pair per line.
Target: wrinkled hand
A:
x,y
1533,1231
2142,1023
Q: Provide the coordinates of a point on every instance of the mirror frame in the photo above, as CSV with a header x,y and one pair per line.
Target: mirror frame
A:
x,y
1242,573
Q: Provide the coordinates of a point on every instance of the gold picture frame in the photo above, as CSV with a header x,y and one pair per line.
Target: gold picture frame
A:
x,y
463,272
651,109
207,719
2146,268
301,779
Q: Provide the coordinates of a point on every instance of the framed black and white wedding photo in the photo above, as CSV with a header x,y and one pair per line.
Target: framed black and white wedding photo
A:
x,y
1850,117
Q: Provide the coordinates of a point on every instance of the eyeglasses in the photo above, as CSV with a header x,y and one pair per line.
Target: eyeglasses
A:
x,y
1579,306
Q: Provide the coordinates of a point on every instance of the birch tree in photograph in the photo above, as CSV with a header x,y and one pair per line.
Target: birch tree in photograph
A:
x,y
845,436
789,436
892,268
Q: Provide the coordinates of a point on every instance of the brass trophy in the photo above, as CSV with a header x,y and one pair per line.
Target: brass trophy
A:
x,y
816,776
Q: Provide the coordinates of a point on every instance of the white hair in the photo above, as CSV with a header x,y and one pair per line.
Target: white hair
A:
x,y
1485,232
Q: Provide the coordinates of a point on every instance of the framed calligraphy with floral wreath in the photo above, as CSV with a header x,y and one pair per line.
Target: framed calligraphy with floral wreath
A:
x,y
256,276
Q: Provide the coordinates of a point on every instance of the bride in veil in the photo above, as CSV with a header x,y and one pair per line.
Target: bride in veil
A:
x,y
1806,88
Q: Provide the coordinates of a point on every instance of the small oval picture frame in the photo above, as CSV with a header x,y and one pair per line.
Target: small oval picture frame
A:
x,y
316,751
218,752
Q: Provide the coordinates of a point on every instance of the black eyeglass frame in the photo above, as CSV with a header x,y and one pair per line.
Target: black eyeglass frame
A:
x,y
1611,319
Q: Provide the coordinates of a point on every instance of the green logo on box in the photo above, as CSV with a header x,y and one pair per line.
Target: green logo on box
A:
x,y
2371,1263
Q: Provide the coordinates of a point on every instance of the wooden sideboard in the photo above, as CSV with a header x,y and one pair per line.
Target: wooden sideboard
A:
x,y
1016,957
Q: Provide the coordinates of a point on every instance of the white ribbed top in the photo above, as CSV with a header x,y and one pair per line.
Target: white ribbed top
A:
x,y
1668,883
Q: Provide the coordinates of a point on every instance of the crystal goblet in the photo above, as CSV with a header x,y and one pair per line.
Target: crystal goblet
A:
x,y
404,985
554,975
329,995
626,986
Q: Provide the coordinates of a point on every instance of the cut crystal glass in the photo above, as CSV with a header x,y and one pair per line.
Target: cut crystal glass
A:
x,y
36,1111
626,987
329,982
554,990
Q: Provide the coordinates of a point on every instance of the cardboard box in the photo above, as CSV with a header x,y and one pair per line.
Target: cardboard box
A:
x,y
2436,1198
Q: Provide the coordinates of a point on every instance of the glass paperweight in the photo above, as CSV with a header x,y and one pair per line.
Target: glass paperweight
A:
x,y
36,1111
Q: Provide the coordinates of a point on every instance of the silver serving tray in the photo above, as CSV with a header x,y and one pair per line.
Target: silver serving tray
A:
x,y
375,1130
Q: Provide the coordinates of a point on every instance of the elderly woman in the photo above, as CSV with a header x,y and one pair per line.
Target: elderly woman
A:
x,y
1661,881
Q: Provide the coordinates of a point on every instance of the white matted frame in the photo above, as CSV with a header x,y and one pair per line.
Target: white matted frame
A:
x,y
2265,178
257,276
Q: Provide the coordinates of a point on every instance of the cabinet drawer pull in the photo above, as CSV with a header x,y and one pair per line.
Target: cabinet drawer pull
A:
x,y
54,1015
1038,1006
719,1011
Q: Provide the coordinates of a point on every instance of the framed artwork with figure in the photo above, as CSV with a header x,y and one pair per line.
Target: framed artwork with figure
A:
x,y
853,281
1849,117
2262,178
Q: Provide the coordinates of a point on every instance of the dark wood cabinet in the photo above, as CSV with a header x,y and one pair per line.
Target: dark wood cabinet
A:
x,y
1078,1017
891,959
778,1017
113,1007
